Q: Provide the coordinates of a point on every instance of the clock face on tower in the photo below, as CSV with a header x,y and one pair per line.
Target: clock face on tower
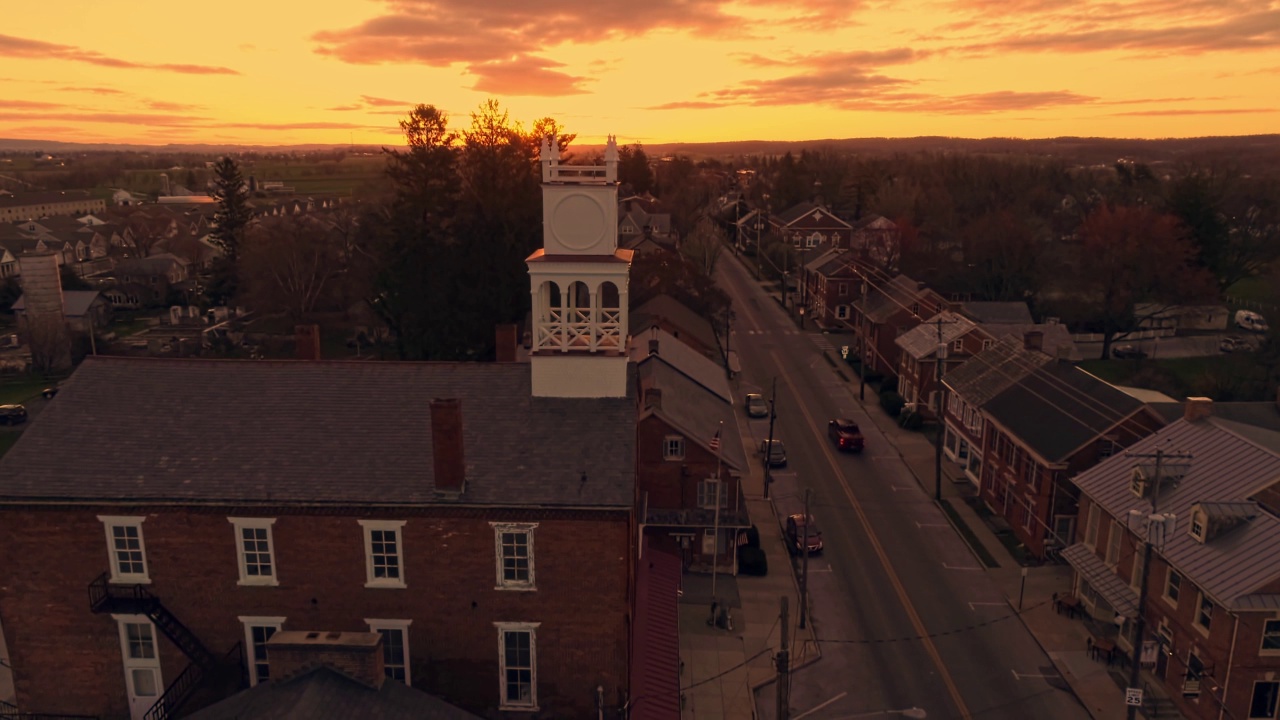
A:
x,y
578,222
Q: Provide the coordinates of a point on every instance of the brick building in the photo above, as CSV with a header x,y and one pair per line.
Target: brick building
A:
x,y
455,508
1211,641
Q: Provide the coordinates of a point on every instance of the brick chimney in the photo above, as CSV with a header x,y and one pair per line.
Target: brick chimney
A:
x,y
446,445
358,655
307,342
1033,340
505,344
653,398
1197,408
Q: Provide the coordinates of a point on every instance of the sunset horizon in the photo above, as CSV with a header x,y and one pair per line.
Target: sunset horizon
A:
x,y
750,70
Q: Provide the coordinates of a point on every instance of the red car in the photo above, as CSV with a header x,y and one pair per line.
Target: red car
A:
x,y
845,434
801,533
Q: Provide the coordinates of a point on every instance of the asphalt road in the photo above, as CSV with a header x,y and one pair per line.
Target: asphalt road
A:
x,y
904,614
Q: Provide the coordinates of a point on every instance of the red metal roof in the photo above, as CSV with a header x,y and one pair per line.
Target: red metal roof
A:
x,y
655,646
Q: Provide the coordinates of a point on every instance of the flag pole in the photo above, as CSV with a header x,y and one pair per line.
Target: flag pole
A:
x,y
715,533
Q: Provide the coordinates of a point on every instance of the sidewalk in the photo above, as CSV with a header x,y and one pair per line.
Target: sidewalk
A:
x,y
1062,638
720,668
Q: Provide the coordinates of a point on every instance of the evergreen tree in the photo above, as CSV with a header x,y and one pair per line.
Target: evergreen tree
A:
x,y
233,213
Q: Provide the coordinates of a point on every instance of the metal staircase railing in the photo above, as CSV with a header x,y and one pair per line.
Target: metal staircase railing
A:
x,y
106,597
230,671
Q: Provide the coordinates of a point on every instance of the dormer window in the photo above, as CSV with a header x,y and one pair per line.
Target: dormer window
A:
x,y
1198,525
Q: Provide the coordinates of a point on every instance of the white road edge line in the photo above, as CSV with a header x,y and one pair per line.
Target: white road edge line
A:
x,y
1019,676
816,708
952,567
921,525
973,604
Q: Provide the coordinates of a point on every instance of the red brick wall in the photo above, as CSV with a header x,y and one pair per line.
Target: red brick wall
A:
x,y
669,486
67,659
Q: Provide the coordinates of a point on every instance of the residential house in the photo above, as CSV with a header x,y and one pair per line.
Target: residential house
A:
x,y
807,226
678,319
688,453
1212,612
752,228
1049,423
83,309
141,282
888,308
454,508
957,337
878,239
970,386
655,658
829,285
1050,338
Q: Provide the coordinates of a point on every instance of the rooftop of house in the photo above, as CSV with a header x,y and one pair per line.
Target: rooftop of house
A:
x,y
324,693
922,340
998,312
316,434
43,198
75,303
1055,338
988,373
1057,408
658,345
899,294
665,307
1226,467
696,411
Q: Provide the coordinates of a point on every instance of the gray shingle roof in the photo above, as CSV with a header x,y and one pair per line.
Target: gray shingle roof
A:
x,y
673,352
1056,338
1057,408
676,312
75,303
1226,466
326,694
998,312
696,411
316,433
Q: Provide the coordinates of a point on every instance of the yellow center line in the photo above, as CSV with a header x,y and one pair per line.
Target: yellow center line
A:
x,y
916,622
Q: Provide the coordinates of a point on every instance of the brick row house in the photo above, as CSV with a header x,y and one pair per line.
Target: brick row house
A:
x,y
959,339
1034,424
1212,613
829,285
689,455
890,307
807,226
454,508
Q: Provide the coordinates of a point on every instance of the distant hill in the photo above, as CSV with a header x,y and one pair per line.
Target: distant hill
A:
x,y
1258,154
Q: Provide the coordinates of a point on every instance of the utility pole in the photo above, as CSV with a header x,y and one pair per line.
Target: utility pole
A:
x,y
937,394
783,661
862,363
768,472
1140,622
804,565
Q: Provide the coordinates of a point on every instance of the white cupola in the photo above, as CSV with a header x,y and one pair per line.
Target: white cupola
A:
x,y
579,281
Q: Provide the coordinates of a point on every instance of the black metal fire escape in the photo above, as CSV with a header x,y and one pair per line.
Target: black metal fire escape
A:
x,y
225,674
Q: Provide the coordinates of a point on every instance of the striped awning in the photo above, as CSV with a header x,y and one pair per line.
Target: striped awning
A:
x,y
1102,579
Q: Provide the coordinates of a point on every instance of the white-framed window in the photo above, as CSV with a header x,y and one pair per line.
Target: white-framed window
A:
x,y
1195,671
383,553
957,345
144,681
518,666
707,494
1113,544
1197,525
513,548
257,631
673,447
395,647
126,548
1266,697
1204,613
842,312
1172,586
986,344
1270,637
254,551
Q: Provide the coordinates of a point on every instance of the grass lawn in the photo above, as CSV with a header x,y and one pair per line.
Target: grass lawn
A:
x,y
21,389
1257,289
7,439
1174,376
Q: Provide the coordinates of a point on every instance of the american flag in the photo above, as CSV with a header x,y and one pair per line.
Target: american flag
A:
x,y
715,440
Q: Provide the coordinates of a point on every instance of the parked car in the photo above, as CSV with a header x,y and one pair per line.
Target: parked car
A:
x,y
775,455
757,406
1249,320
49,392
12,414
802,532
1234,343
1127,352
845,434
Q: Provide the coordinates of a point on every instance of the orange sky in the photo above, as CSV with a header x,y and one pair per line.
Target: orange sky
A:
x,y
286,71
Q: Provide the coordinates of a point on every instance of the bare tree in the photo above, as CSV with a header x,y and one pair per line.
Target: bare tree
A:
x,y
704,244
49,340
288,263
